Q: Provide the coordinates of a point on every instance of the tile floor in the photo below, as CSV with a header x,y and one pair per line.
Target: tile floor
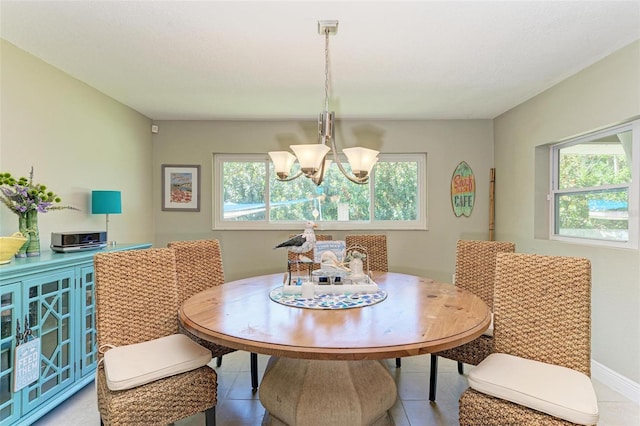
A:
x,y
238,406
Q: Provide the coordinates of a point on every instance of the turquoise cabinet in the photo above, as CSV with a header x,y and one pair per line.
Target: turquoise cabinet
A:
x,y
88,349
52,295
9,314
49,302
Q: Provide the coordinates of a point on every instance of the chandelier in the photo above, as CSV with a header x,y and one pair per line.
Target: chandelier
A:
x,y
312,158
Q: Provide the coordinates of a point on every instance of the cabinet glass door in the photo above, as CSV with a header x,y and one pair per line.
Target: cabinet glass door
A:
x,y
9,313
89,351
50,309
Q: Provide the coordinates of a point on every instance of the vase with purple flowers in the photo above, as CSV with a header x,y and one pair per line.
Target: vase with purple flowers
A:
x,y
26,199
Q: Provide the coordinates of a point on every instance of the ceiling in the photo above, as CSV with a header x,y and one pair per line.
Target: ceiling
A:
x,y
205,60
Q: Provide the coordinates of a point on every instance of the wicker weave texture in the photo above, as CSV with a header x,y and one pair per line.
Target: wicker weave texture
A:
x,y
376,246
136,296
136,300
542,311
476,266
199,267
310,254
161,402
478,409
475,270
470,353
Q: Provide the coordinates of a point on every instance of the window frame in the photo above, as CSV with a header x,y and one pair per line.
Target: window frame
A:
x,y
633,187
218,222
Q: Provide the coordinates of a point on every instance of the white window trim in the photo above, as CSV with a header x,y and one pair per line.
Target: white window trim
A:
x,y
634,187
220,224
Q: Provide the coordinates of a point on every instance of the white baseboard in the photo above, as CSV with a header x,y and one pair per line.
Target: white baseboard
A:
x,y
624,386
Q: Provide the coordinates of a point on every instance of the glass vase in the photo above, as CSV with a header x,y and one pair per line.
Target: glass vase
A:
x,y
22,227
34,235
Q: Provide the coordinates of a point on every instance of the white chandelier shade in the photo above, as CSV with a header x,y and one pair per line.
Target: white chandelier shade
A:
x,y
282,162
312,157
361,160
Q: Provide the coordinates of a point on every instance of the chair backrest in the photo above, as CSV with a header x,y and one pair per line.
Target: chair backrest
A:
x,y
376,246
199,266
476,265
136,296
310,254
542,309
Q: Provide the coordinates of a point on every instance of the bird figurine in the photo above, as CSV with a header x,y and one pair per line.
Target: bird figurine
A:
x,y
301,243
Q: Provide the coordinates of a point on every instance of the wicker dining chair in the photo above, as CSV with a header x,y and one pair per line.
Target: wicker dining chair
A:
x,y
542,314
376,246
199,266
136,303
475,270
292,257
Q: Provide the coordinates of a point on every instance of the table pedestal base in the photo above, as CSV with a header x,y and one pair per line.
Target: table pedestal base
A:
x,y
337,393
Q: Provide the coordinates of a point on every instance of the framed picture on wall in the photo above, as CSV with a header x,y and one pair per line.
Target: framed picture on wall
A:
x,y
181,188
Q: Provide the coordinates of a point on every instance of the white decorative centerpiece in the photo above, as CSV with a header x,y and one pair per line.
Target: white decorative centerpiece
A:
x,y
352,287
330,264
355,260
334,277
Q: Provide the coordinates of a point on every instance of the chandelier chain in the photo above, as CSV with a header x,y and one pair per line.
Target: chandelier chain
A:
x,y
326,69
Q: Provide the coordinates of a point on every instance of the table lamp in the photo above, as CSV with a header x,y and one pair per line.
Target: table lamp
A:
x,y
106,202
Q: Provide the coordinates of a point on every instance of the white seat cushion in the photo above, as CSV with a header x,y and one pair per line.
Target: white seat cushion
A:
x,y
133,365
552,389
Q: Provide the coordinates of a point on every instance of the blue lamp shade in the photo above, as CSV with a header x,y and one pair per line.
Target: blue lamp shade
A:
x,y
106,202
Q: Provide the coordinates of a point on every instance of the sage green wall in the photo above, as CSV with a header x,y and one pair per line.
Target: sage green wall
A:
x,y
245,253
602,94
77,139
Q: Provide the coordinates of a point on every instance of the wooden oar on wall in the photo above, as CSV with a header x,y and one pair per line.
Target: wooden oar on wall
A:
x,y
492,202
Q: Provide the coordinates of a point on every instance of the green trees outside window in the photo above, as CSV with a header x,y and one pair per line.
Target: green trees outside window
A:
x,y
593,186
250,192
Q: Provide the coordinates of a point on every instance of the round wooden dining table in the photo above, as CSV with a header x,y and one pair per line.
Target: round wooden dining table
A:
x,y
325,366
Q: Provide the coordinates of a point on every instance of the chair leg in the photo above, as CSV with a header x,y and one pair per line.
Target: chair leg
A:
x,y
398,362
254,371
210,416
460,368
219,361
433,377
101,424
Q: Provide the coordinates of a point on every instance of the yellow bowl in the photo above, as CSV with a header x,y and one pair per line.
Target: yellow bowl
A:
x,y
9,246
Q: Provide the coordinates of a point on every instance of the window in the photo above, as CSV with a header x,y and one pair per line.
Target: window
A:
x,y
248,196
594,193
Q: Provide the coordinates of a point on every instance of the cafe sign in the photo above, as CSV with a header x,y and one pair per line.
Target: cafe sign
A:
x,y
463,190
